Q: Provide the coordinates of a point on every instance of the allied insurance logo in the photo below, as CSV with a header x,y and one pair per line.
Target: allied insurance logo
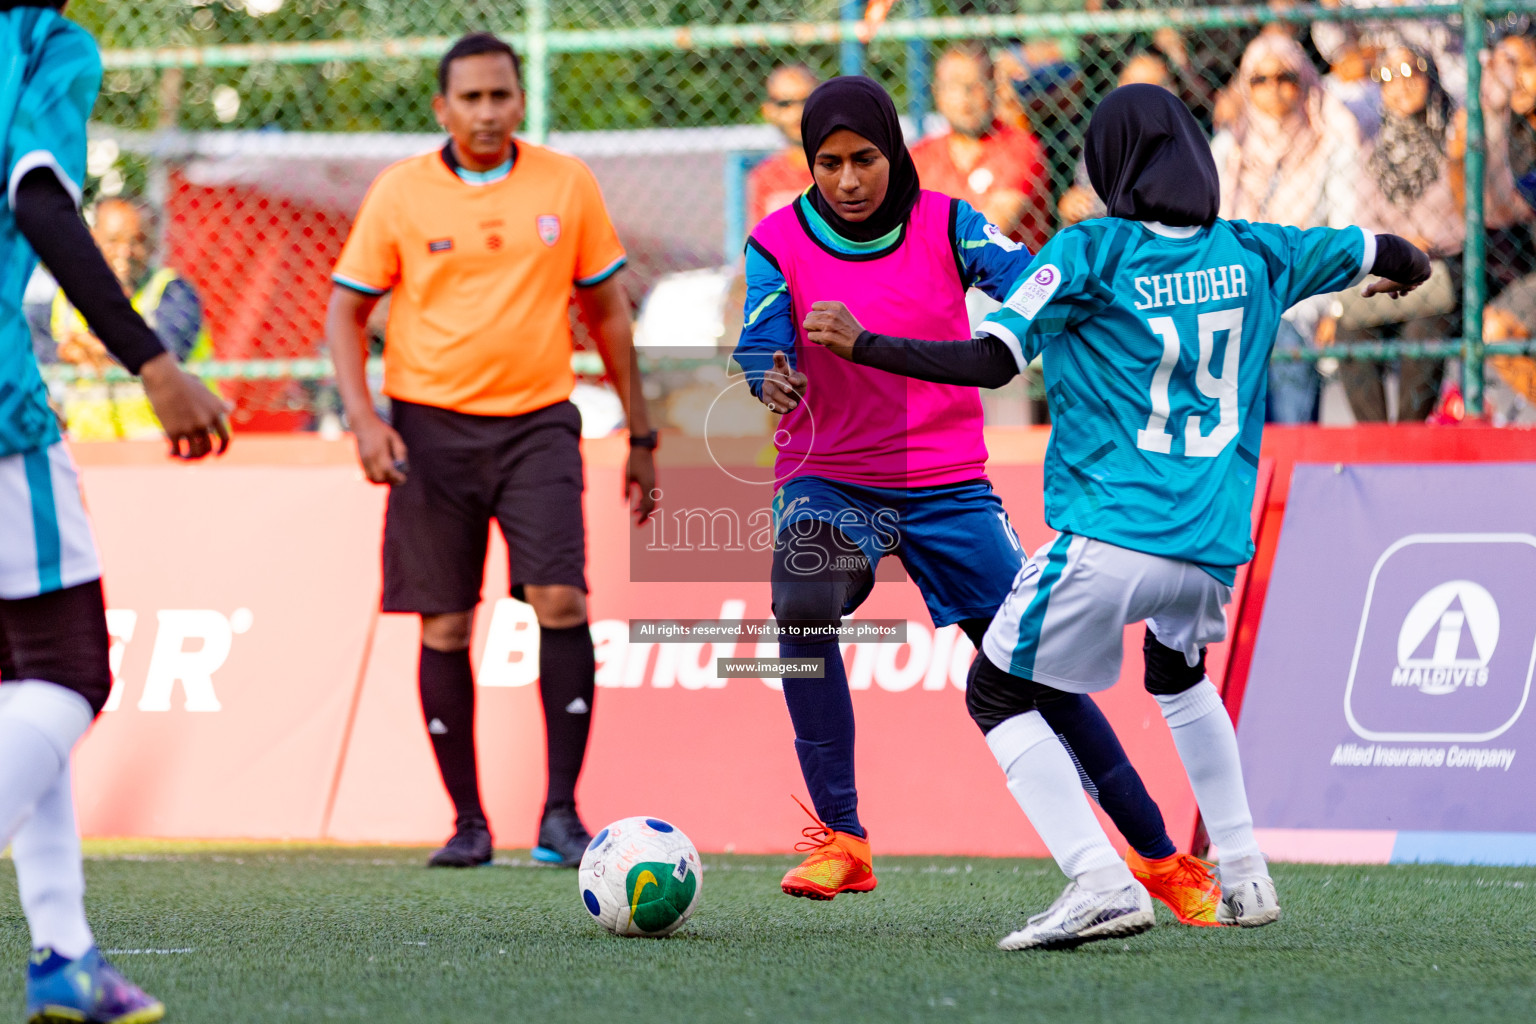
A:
x,y
1446,648
1448,639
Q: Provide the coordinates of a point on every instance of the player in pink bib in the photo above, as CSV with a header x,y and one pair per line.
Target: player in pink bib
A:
x,y
872,463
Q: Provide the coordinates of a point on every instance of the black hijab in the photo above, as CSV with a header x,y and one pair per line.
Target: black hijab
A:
x,y
1148,159
860,105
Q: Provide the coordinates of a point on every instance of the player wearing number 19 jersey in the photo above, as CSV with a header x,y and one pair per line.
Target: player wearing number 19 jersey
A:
x,y
1157,340
1155,325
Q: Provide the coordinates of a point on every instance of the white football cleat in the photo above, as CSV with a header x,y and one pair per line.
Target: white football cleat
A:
x,y
1249,903
1080,915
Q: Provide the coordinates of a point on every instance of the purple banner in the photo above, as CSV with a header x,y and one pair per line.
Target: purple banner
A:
x,y
1391,680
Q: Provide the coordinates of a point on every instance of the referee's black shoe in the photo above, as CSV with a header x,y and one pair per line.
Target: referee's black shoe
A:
x,y
562,838
470,846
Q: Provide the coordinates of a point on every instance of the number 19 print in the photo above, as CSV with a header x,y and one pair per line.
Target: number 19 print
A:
x,y
1156,437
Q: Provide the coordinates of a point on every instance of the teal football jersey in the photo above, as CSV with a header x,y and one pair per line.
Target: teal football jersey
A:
x,y
1156,353
49,85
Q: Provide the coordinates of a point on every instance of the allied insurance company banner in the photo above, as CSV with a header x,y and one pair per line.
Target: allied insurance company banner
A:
x,y
1387,715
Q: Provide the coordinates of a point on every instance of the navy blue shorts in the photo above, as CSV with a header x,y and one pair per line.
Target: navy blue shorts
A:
x,y
955,540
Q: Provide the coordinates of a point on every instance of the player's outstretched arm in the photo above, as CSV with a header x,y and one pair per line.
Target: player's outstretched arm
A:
x,y
190,414
1400,265
977,362
380,450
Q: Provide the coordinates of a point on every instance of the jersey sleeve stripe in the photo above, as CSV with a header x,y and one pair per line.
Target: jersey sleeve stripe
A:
x,y
769,300
1367,257
357,286
1273,265
602,275
31,162
955,242
1008,338
1115,242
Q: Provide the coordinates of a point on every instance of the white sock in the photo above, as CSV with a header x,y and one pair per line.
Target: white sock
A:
x,y
39,725
1042,779
1207,744
49,874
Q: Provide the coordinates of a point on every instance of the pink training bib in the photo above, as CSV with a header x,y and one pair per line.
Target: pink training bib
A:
x,y
858,424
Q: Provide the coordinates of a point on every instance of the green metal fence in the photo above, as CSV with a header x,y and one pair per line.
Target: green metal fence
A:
x,y
239,121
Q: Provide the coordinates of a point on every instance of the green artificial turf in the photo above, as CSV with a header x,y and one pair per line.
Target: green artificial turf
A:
x,y
231,934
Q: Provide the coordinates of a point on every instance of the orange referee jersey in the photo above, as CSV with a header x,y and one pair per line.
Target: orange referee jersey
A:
x,y
481,277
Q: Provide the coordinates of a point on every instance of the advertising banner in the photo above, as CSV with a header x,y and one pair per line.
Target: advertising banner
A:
x,y
241,600
261,695
1387,712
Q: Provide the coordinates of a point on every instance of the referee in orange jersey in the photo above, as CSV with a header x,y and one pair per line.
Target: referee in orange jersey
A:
x,y
479,245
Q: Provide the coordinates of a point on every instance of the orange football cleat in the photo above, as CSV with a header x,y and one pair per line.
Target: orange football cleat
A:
x,y
838,862
1185,884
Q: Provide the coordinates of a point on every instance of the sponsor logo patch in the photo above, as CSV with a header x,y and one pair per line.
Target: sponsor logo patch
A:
x,y
1030,297
440,245
549,228
1002,241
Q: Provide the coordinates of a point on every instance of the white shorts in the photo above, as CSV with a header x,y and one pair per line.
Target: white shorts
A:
x,y
45,538
1064,621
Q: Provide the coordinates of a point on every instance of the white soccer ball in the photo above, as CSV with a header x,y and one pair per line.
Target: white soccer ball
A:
x,y
640,876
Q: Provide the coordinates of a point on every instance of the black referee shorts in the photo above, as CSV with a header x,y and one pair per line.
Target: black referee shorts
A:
x,y
522,471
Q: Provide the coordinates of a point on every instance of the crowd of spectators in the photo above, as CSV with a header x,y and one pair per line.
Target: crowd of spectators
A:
x,y
1329,123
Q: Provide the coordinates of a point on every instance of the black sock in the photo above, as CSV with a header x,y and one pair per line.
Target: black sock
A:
x,y
567,674
1108,774
448,708
821,711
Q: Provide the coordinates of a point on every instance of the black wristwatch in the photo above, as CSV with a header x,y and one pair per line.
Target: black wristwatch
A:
x,y
646,441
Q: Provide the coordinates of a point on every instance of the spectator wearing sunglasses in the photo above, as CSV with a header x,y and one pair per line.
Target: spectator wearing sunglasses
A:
x,y
1290,157
1412,188
781,177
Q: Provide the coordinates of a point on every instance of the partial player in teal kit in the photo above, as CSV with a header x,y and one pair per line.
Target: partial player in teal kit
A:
x,y
1155,325
54,670
43,110
1159,340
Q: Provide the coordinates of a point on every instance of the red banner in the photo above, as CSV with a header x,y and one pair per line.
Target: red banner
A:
x,y
261,695
241,601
